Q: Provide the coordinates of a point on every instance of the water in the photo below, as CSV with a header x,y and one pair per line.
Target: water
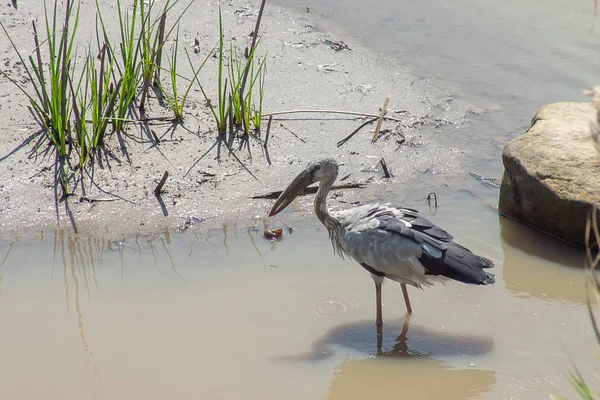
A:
x,y
227,314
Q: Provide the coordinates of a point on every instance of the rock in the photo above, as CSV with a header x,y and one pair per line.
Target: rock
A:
x,y
552,173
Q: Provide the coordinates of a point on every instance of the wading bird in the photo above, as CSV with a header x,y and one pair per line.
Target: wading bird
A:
x,y
390,242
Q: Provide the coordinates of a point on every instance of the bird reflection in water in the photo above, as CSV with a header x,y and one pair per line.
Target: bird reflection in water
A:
x,y
400,339
411,357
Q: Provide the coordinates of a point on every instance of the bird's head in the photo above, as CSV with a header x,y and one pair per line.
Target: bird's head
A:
x,y
316,171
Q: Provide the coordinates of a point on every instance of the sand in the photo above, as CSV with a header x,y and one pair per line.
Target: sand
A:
x,y
306,69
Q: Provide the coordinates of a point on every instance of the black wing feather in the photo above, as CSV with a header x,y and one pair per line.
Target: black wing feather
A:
x,y
455,262
460,264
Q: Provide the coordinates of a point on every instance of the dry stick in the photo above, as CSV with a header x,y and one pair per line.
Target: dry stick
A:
x,y
156,77
244,166
386,171
160,185
485,181
596,233
230,117
378,128
592,261
354,132
161,43
311,190
250,51
266,150
591,267
482,200
87,199
293,133
360,114
268,130
435,204
434,196
156,139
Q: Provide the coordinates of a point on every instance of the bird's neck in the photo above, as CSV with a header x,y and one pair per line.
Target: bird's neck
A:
x,y
321,205
329,221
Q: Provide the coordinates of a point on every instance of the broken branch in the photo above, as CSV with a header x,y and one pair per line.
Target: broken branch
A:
x,y
381,115
160,185
311,190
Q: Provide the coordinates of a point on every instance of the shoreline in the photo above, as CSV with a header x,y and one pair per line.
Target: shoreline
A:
x,y
120,202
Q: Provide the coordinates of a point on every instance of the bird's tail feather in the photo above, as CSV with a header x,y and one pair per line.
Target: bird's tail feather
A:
x,y
487,263
460,264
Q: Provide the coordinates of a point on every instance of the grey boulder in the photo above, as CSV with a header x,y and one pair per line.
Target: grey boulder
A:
x,y
552,173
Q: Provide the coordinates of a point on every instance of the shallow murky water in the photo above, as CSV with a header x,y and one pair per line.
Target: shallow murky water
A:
x,y
229,315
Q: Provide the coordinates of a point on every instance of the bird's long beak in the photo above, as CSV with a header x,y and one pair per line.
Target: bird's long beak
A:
x,y
291,192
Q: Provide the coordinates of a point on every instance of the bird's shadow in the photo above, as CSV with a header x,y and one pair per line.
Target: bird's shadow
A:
x,y
399,339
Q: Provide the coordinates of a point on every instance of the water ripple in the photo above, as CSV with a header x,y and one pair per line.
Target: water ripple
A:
x,y
329,308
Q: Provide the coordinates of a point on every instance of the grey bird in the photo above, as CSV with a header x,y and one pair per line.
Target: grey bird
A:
x,y
388,241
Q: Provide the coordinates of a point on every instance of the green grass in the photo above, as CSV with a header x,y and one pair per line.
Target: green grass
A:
x,y
130,67
221,112
245,108
177,102
257,109
103,94
236,73
51,97
224,103
152,41
79,107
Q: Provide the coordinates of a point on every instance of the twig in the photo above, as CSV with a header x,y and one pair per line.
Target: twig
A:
x,y
354,132
435,202
160,185
250,51
386,172
485,181
292,132
161,43
156,139
311,190
88,200
150,119
591,266
360,114
230,115
203,155
482,200
268,130
378,128
243,165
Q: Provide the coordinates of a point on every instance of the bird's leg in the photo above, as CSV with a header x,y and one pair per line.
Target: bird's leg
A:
x,y
406,299
404,332
379,320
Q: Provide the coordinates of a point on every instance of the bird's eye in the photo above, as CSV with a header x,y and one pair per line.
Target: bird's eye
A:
x,y
317,167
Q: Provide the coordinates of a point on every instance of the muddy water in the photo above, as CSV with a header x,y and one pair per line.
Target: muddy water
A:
x,y
227,315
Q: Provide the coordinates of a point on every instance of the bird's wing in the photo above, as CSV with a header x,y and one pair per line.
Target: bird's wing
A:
x,y
400,243
394,219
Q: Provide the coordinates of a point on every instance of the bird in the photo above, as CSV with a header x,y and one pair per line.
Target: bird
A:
x,y
390,242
